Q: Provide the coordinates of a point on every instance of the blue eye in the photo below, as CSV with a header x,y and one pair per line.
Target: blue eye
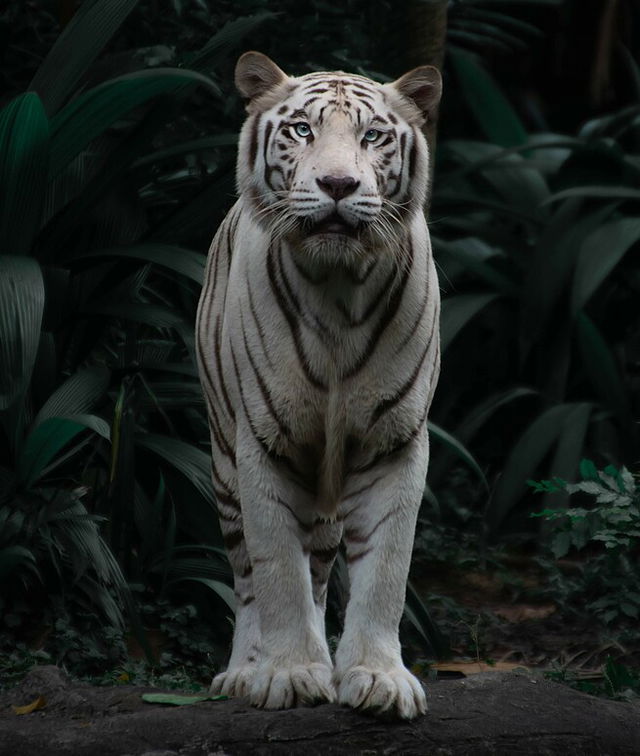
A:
x,y
372,135
302,129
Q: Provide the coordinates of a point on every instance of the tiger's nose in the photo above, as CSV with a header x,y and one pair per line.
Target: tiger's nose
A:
x,y
338,187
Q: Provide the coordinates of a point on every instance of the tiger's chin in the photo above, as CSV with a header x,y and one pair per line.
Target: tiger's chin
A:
x,y
333,249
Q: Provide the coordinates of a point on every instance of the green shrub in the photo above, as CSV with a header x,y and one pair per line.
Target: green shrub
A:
x,y
607,525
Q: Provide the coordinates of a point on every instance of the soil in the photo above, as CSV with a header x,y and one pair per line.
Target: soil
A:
x,y
490,713
506,617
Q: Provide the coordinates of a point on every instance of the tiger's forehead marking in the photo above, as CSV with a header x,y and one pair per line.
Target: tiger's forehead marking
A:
x,y
335,92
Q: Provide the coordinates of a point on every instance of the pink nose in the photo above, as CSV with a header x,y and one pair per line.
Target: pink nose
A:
x,y
338,187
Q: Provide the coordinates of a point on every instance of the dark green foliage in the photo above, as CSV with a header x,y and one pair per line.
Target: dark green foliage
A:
x,y
605,520
116,165
101,416
538,307
617,681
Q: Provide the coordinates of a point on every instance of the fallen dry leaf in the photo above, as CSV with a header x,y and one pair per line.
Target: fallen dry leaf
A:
x,y
522,612
39,703
473,667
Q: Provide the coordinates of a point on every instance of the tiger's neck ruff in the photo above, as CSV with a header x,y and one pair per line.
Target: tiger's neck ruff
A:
x,y
318,352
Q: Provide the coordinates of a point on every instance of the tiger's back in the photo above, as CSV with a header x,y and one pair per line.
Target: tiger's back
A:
x,y
318,351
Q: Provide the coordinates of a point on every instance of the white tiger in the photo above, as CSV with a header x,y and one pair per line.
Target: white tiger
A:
x,y
318,352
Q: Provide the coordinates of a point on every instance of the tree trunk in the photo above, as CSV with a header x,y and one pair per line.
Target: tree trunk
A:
x,y
426,35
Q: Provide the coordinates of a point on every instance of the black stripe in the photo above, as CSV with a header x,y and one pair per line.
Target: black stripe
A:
x,y
356,557
292,321
359,491
265,149
387,317
352,536
233,539
223,386
253,141
376,299
258,325
413,155
283,428
325,555
398,447
392,401
218,436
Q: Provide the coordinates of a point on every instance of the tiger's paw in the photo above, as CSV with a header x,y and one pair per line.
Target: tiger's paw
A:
x,y
392,692
276,687
234,683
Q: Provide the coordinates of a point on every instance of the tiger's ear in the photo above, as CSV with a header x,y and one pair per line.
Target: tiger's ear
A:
x,y
257,74
422,85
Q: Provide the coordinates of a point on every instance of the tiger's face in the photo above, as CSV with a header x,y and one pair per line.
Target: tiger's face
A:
x,y
336,162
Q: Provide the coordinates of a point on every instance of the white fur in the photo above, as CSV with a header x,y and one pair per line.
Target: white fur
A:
x,y
308,402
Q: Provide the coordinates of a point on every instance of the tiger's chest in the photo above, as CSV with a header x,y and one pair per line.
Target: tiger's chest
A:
x,y
316,354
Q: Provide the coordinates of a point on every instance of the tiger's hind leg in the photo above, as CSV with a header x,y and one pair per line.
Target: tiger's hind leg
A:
x,y
245,654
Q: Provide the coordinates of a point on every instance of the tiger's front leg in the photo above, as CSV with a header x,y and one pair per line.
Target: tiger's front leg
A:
x,y
295,666
380,520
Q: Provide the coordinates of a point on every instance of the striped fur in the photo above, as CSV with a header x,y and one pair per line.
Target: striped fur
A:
x,y
318,350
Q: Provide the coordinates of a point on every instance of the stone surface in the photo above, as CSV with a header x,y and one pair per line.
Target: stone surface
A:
x,y
492,713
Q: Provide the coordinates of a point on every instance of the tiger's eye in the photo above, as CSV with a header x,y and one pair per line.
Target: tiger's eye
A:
x,y
302,129
371,135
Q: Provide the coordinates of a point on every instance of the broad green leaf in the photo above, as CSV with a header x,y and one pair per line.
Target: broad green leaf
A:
x,y
465,200
465,252
477,417
184,148
523,2
601,251
588,470
24,166
569,449
21,307
459,449
600,366
115,165
77,395
181,568
600,192
77,47
489,106
615,122
175,699
634,68
48,439
186,262
140,312
91,113
218,49
550,268
521,464
473,422
219,588
196,218
510,175
192,462
16,557
478,155
459,310
417,613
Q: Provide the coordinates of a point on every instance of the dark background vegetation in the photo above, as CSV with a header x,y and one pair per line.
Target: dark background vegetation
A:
x,y
117,148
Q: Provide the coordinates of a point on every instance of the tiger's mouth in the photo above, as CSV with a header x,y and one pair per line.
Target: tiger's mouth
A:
x,y
332,224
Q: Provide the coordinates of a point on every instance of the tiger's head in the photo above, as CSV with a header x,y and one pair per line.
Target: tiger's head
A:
x,y
334,162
